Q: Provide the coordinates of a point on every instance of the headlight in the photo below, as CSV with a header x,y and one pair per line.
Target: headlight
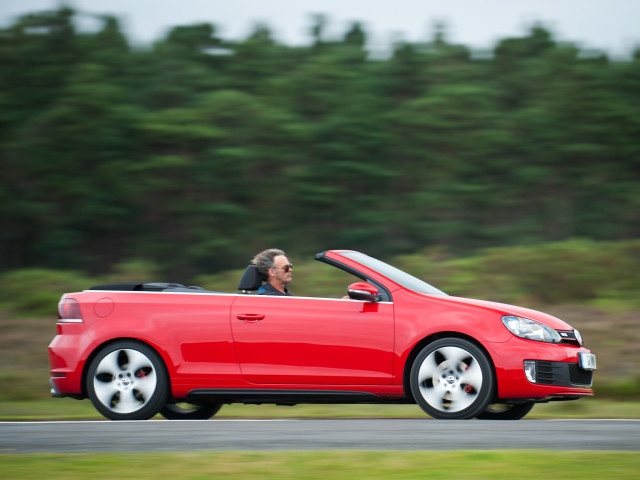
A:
x,y
530,329
578,337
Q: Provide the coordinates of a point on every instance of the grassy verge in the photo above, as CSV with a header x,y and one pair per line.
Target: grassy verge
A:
x,y
68,409
320,465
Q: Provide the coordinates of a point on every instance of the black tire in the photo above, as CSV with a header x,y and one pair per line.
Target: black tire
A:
x,y
188,411
501,411
452,378
127,381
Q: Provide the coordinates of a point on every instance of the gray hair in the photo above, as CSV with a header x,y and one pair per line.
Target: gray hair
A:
x,y
264,260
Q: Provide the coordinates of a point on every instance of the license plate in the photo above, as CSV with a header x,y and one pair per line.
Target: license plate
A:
x,y
588,361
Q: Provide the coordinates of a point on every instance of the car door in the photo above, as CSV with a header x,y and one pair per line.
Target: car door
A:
x,y
301,340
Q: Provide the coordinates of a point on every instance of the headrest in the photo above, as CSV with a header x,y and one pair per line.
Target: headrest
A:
x,y
251,279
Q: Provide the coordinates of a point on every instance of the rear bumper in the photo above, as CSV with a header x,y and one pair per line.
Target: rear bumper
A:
x,y
55,393
67,355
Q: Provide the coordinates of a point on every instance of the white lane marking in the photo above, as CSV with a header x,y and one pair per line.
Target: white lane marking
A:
x,y
116,422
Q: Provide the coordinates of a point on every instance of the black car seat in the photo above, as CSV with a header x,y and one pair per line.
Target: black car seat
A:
x,y
251,279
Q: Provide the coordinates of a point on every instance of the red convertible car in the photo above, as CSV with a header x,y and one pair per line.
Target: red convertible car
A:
x,y
137,350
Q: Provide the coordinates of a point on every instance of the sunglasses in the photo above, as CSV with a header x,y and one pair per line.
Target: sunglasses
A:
x,y
286,268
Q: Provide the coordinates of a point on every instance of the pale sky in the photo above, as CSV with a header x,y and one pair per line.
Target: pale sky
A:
x,y
609,25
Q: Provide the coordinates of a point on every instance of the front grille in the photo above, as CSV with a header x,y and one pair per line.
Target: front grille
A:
x,y
550,373
578,376
568,337
562,374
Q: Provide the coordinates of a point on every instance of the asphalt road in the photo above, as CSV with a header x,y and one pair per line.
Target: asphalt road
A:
x,y
368,434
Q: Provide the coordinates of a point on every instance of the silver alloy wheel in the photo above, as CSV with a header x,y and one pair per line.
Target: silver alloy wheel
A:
x,y
450,379
125,380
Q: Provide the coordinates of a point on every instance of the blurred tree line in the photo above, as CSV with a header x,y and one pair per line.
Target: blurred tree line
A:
x,y
197,152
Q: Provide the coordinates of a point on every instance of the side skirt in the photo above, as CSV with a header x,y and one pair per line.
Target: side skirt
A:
x,y
257,396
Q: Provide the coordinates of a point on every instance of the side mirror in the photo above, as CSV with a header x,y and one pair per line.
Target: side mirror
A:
x,y
363,291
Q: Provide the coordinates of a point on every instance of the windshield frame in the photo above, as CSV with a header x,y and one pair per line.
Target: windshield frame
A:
x,y
394,274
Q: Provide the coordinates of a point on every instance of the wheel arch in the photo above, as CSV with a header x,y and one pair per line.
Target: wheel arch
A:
x,y
417,348
111,341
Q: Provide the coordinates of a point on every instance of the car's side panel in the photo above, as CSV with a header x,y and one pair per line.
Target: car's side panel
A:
x,y
296,340
421,316
190,331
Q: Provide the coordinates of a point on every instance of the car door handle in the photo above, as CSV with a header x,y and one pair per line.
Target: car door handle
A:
x,y
250,317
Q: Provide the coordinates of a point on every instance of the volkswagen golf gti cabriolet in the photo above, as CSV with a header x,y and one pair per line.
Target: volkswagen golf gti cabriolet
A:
x,y
139,349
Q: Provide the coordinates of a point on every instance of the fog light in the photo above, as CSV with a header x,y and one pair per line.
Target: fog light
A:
x,y
530,370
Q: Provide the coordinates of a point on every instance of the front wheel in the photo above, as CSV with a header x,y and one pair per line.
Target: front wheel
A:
x,y
127,381
189,411
452,378
500,411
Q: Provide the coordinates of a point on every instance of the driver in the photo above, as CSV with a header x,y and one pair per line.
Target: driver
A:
x,y
276,268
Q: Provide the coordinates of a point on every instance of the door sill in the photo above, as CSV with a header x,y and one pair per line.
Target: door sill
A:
x,y
288,397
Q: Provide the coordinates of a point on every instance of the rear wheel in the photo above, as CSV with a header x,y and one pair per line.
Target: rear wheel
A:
x,y
503,411
452,378
189,411
127,381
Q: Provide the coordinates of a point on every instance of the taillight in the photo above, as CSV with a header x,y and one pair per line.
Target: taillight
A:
x,y
69,311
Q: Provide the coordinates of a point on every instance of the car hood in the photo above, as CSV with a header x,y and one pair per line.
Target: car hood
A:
x,y
506,309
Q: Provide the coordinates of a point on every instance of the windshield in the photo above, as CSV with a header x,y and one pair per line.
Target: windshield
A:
x,y
392,273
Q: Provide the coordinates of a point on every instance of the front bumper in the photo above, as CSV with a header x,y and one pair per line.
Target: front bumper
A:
x,y
557,367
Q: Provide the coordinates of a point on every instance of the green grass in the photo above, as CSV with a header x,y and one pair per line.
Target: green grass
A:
x,y
354,465
68,409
